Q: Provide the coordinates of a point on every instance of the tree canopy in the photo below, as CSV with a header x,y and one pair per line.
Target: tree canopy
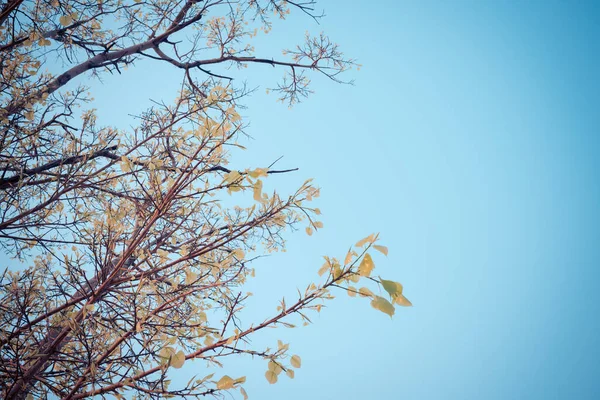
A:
x,y
127,261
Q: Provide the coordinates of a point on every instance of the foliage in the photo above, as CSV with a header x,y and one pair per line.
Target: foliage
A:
x,y
134,264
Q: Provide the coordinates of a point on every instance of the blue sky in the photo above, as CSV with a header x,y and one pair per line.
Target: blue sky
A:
x,y
470,142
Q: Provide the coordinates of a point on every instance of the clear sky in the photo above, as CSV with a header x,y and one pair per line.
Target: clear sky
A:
x,y
471,142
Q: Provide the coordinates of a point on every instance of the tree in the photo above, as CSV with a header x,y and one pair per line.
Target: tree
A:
x,y
133,264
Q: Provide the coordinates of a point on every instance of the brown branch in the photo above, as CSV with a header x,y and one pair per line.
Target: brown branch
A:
x,y
8,8
16,179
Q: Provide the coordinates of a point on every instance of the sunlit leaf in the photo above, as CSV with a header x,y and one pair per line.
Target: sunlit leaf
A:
x,y
381,304
402,301
368,239
271,376
348,258
290,373
324,268
225,383
296,361
366,265
393,288
381,249
178,359
352,291
273,366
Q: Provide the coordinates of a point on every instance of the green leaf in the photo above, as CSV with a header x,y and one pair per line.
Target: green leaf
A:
x,y
393,288
178,359
381,304
271,376
296,361
165,353
366,265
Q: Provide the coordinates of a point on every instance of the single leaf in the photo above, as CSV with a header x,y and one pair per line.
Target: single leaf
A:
x,y
309,231
402,301
225,383
365,292
65,20
257,188
348,257
244,394
366,265
323,268
125,164
368,239
296,361
381,249
271,376
351,291
178,359
381,304
290,373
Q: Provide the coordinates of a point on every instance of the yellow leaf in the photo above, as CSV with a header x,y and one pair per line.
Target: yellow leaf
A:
x,y
393,288
258,172
366,265
125,164
368,239
257,188
324,268
225,383
402,301
273,366
238,253
381,304
318,224
190,277
309,231
271,376
351,291
381,249
166,353
178,359
296,361
365,292
348,257
231,177
290,373
65,20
